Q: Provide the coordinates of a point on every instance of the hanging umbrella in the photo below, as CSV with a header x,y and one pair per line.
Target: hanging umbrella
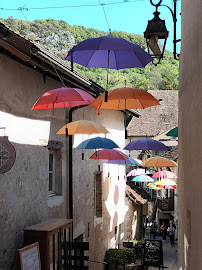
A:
x,y
146,144
155,187
158,162
164,174
138,171
128,162
173,132
63,98
108,154
164,183
83,127
171,187
108,52
142,178
97,143
125,98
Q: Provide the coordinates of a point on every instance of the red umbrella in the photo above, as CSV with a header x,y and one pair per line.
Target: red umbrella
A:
x,y
109,154
63,98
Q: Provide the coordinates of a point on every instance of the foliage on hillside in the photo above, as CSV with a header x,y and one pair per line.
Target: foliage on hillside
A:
x,y
58,37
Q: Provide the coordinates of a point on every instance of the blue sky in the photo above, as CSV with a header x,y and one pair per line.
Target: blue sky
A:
x,y
123,15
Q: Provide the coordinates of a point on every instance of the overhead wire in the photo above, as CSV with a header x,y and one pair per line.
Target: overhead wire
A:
x,y
76,6
102,5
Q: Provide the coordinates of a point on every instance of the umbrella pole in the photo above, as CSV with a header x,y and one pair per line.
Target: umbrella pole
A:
x,y
126,134
106,91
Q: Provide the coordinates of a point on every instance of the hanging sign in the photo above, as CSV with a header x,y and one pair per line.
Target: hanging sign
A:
x,y
7,155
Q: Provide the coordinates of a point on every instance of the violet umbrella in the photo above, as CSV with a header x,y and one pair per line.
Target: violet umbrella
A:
x,y
127,162
108,52
146,144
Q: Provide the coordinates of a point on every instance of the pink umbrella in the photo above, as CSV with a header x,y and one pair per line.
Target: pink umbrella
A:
x,y
138,171
170,187
164,174
63,98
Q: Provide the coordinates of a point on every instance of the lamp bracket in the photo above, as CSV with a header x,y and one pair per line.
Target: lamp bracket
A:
x,y
156,5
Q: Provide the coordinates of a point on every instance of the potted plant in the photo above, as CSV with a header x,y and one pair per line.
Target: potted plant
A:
x,y
120,257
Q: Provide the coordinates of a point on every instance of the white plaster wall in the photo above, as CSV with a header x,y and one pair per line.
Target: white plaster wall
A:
x,y
190,136
102,230
23,192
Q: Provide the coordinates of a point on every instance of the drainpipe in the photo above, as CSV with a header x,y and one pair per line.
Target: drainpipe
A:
x,y
70,157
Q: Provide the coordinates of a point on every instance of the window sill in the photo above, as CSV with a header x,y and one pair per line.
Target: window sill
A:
x,y
54,200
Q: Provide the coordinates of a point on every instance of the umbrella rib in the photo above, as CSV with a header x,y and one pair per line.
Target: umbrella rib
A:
x,y
116,59
91,57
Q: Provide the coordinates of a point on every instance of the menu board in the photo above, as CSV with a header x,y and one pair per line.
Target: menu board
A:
x,y
153,253
30,258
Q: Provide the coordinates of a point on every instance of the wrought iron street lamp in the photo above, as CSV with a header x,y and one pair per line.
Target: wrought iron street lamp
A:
x,y
156,34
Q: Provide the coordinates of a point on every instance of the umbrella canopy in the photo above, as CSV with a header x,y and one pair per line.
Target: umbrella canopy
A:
x,y
164,174
146,144
125,98
158,162
171,187
83,127
142,178
164,183
155,187
108,52
97,143
109,154
128,162
63,98
138,171
173,132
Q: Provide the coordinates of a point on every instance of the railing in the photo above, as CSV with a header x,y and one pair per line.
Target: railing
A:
x,y
165,204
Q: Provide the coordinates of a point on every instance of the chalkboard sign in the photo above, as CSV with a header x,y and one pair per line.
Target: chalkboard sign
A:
x,y
153,253
30,258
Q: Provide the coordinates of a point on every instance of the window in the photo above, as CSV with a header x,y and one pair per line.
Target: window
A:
x,y
55,173
98,194
51,184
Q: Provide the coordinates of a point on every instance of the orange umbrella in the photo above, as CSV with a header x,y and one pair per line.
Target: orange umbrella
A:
x,y
158,162
125,98
83,127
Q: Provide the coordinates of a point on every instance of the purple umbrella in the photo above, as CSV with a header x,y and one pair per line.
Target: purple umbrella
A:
x,y
128,162
146,144
108,52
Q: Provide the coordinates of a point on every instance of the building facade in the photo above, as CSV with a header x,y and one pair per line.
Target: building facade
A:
x,y
190,134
